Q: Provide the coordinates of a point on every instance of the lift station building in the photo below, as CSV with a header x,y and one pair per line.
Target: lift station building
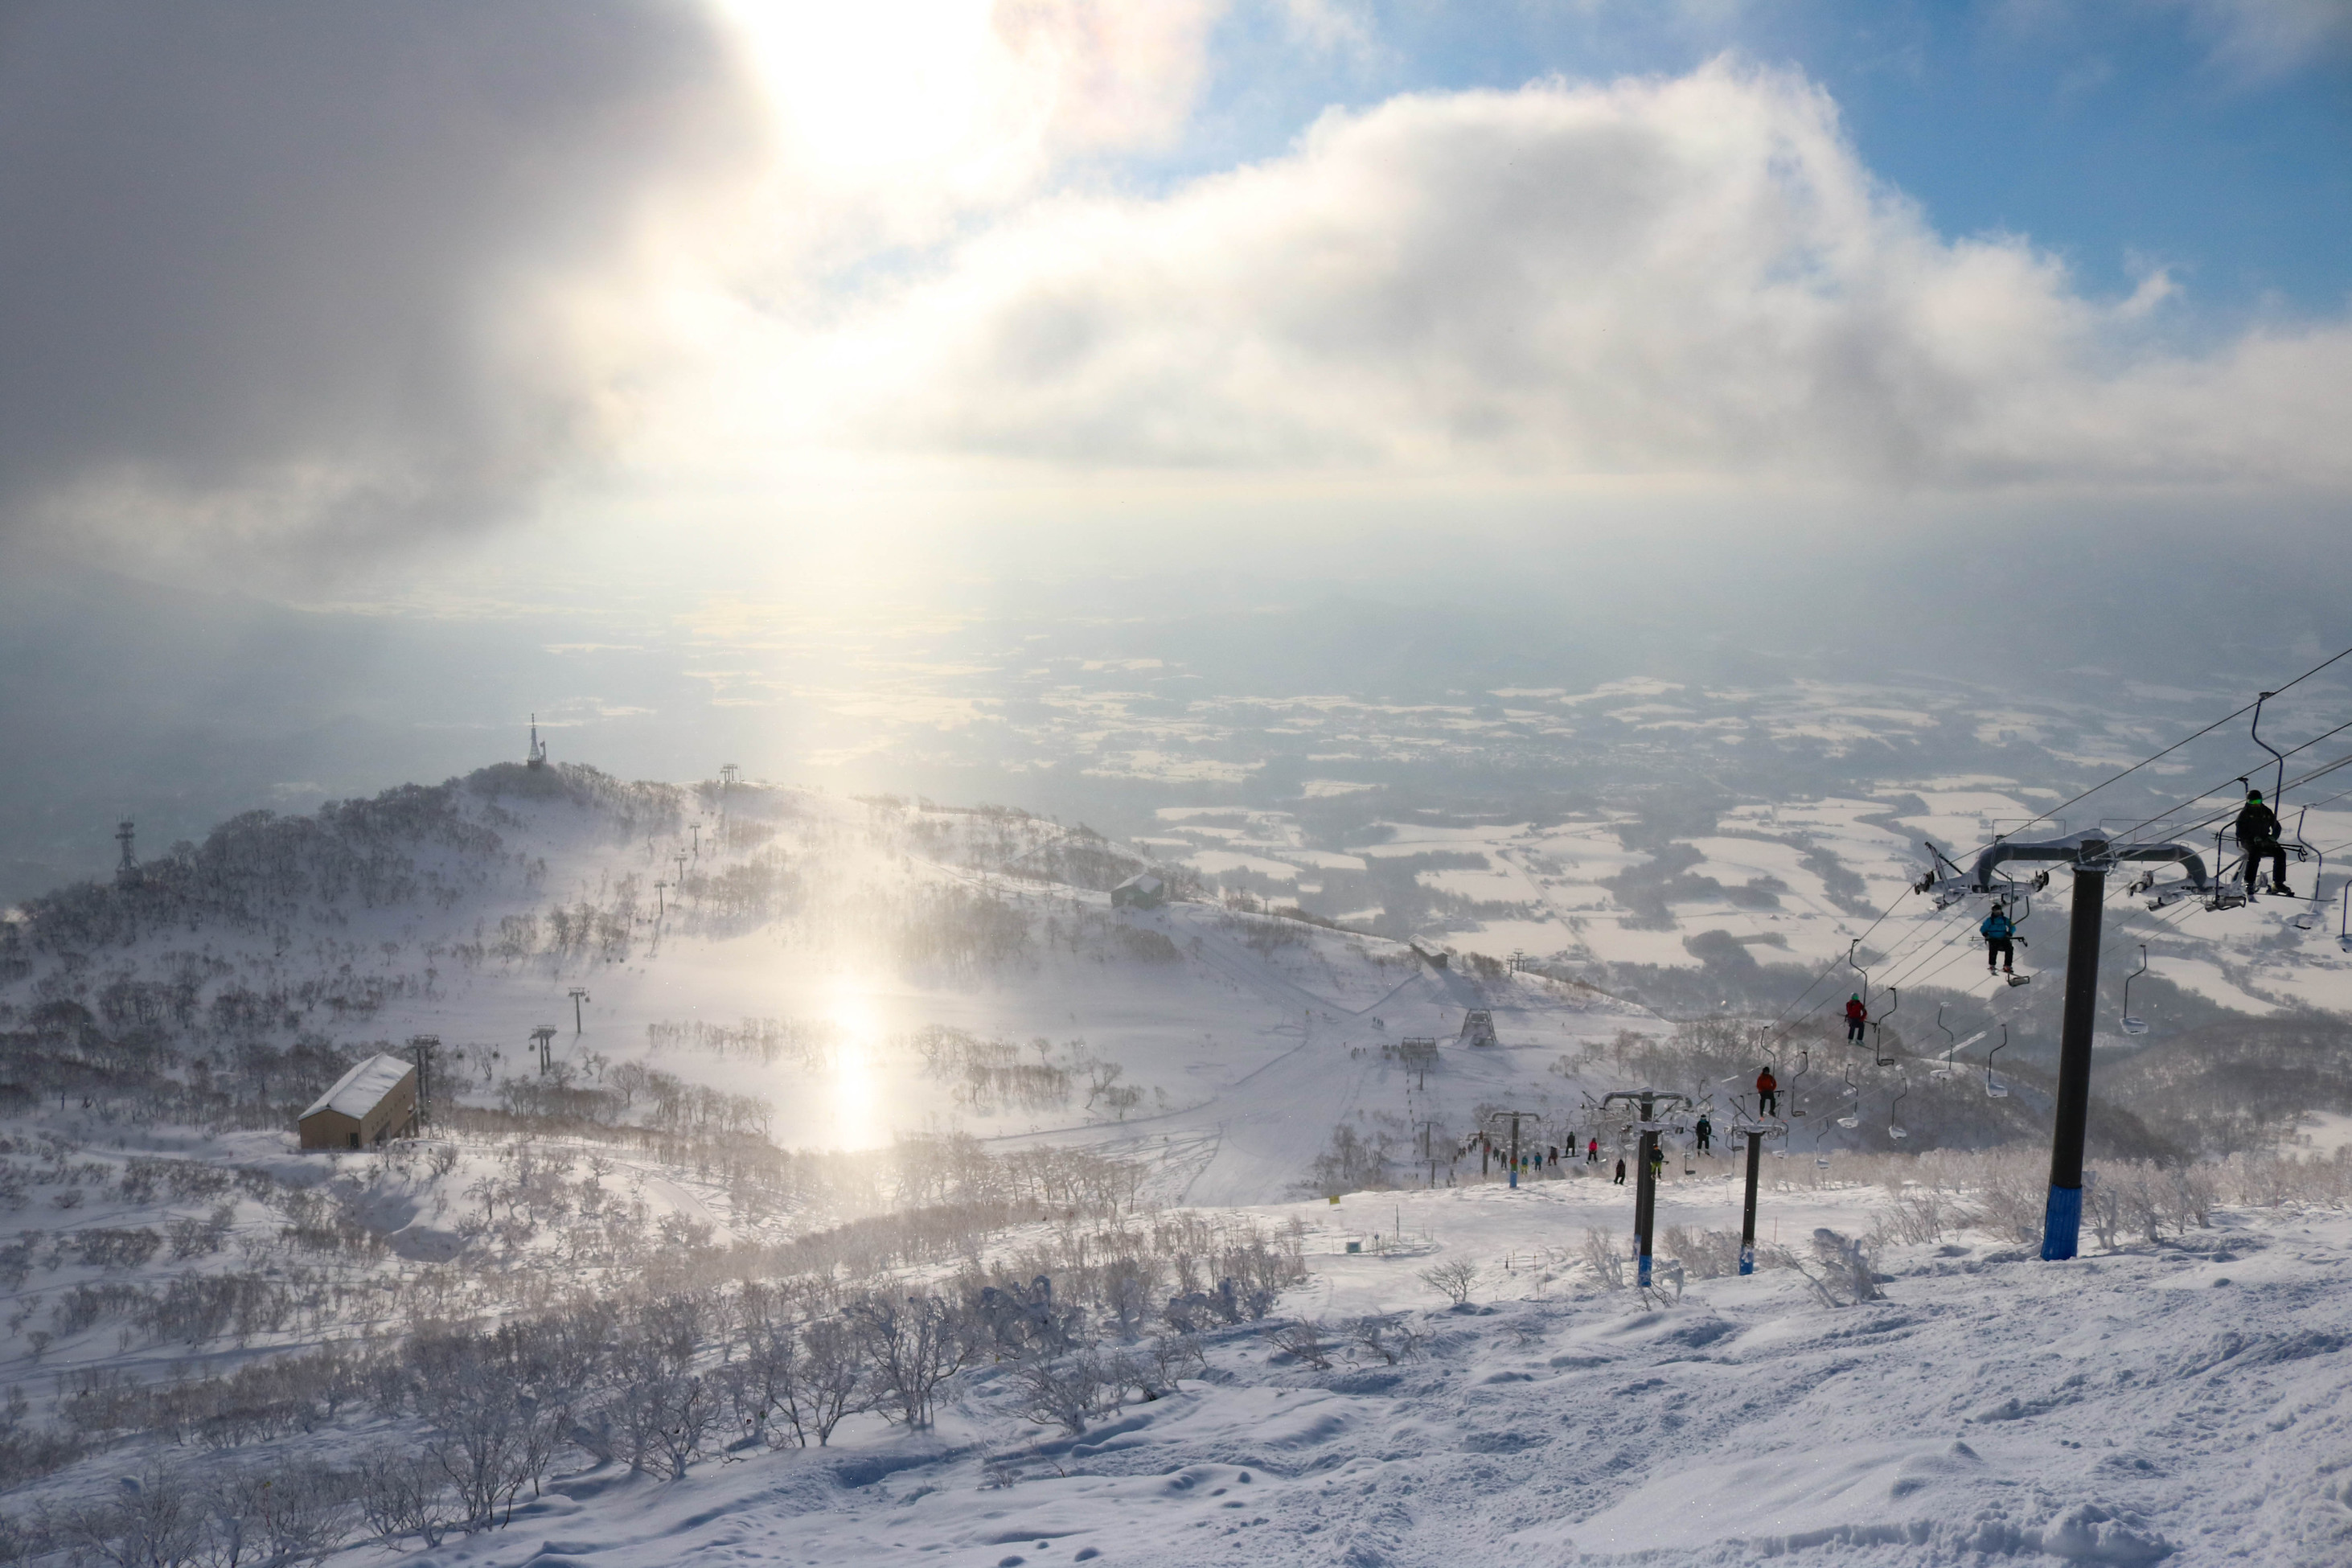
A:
x,y
375,1101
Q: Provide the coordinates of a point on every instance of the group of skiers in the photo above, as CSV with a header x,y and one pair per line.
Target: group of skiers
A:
x,y
1536,1158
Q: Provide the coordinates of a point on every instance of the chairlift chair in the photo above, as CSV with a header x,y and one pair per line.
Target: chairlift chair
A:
x,y
1894,1119
1804,1065
1852,1118
1951,1044
2343,932
2024,904
1878,1040
1993,1086
2309,919
2135,1026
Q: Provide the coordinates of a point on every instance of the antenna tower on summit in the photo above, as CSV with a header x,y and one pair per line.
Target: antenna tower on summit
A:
x,y
538,757
126,875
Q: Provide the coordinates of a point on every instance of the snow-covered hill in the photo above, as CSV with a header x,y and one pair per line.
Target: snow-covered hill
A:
x,y
2185,1403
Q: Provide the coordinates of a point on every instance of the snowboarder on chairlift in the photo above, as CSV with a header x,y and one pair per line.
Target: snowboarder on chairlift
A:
x,y
1767,1092
1592,1152
1705,1131
1857,1015
2258,836
1657,1163
2000,941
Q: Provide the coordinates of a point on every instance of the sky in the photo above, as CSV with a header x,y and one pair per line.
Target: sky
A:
x,y
465,317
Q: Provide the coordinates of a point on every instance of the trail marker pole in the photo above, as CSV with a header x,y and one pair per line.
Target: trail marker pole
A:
x,y
2061,1222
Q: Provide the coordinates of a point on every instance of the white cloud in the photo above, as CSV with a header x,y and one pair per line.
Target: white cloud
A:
x,y
2262,40
1694,275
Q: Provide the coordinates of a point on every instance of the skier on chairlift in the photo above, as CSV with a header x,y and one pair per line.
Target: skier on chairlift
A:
x,y
2258,836
1767,1092
1705,1131
1857,1015
2000,941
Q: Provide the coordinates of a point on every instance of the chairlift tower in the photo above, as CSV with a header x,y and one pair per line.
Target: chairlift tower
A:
x,y
545,1038
1651,1113
423,1048
126,871
1754,1130
729,776
579,994
1513,1118
2091,855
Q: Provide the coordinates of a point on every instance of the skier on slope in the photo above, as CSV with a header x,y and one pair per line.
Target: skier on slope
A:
x,y
1621,1175
2000,941
2258,836
1857,1015
1767,1092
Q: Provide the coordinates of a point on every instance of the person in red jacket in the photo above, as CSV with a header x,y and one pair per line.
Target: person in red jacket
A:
x,y
1767,1092
1857,1015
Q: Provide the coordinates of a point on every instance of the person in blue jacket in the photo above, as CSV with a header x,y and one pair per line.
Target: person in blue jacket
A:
x,y
2000,942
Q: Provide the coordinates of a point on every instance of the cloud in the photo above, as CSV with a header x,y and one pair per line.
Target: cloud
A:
x,y
292,273
2261,40
1694,275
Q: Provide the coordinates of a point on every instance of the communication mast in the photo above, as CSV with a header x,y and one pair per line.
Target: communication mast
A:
x,y
538,757
126,875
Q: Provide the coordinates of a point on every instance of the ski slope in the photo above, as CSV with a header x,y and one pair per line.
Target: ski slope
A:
x,y
2190,1405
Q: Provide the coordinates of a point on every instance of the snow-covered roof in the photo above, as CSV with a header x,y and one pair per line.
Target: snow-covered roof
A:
x,y
357,1092
1144,882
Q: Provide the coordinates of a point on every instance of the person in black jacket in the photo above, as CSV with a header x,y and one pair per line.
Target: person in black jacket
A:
x,y
2258,836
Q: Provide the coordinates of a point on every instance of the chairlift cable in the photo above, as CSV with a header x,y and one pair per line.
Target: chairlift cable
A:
x,y
1779,1024
2168,750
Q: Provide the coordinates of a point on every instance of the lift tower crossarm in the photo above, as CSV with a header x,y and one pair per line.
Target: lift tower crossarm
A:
x,y
2085,850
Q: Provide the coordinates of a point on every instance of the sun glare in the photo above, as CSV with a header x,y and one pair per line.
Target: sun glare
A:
x,y
859,90
855,1092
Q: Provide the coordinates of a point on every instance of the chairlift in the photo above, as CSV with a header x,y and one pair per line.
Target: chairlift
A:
x,y
1852,1118
1993,1086
1804,1065
1819,1159
2344,933
2022,906
2135,1026
1878,1040
1951,1044
1893,1119
2309,919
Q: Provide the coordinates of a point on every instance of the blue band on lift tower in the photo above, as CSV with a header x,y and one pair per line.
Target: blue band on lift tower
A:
x,y
1747,1261
2062,1224
1642,1271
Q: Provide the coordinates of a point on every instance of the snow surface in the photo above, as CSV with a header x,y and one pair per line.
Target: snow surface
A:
x,y
2192,1405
